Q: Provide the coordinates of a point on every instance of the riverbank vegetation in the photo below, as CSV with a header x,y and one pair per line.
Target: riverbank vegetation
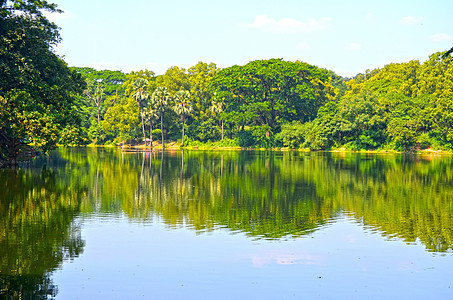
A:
x,y
276,103
264,104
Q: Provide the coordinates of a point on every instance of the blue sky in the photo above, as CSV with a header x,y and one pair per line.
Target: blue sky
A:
x,y
345,36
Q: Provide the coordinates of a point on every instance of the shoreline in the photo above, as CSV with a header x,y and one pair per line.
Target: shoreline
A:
x,y
175,146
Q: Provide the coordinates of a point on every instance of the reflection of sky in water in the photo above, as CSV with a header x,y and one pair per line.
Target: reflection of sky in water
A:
x,y
339,261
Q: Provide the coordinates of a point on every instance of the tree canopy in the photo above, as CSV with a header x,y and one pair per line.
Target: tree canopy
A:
x,y
37,89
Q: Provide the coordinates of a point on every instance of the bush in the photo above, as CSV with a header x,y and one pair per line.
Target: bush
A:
x,y
245,139
204,131
291,136
226,142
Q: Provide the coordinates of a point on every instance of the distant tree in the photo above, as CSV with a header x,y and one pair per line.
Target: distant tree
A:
x,y
160,100
128,84
141,95
217,108
182,108
121,119
151,115
95,93
200,77
267,92
174,79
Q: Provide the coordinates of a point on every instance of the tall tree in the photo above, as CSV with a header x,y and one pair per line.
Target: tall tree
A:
x,y
217,108
151,115
175,79
95,93
121,120
160,100
141,95
200,77
266,92
37,89
182,107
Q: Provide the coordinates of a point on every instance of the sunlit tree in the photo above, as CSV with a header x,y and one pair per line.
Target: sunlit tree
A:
x,y
160,101
151,115
141,95
217,108
182,107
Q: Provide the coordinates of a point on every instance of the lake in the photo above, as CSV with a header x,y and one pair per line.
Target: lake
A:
x,y
98,223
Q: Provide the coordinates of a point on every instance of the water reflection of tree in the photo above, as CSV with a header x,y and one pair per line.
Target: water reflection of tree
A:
x,y
273,194
37,231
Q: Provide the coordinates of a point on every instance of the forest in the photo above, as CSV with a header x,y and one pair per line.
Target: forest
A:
x,y
273,104
264,104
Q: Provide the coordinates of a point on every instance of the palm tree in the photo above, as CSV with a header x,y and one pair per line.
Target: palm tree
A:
x,y
151,116
140,95
217,108
182,107
160,100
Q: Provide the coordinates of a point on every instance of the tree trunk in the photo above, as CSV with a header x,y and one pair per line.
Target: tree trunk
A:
x,y
222,130
143,125
162,129
150,136
183,121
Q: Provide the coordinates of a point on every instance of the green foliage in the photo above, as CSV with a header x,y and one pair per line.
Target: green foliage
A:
x,y
268,92
204,131
182,104
112,80
73,136
121,120
37,89
292,135
246,139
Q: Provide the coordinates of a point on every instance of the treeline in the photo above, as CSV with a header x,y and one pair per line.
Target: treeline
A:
x,y
237,106
274,103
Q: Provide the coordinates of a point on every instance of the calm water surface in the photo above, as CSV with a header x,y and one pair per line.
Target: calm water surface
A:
x,y
102,224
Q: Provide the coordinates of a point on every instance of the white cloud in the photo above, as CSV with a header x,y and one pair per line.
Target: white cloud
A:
x,y
288,25
353,47
440,37
411,20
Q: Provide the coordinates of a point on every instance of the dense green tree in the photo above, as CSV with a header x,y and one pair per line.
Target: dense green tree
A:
x,y
436,79
183,108
141,95
37,89
174,79
160,100
217,107
363,123
95,93
200,77
151,115
128,85
121,120
112,80
267,92
326,130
